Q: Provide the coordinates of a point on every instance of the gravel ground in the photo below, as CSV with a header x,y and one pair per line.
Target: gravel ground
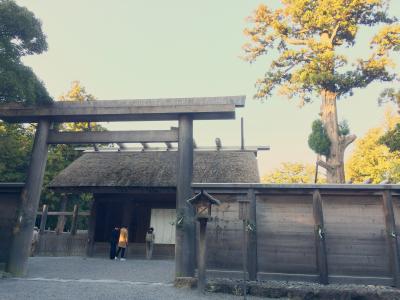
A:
x,y
95,278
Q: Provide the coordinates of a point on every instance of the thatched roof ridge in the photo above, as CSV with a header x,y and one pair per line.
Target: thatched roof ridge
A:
x,y
155,169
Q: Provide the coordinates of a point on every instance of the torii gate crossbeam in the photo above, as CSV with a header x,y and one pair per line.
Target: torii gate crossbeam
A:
x,y
185,110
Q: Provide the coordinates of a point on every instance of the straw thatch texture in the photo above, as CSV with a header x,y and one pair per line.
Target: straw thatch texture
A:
x,y
155,169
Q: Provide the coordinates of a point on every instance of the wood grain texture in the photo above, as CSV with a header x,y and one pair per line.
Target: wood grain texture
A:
x,y
285,234
355,236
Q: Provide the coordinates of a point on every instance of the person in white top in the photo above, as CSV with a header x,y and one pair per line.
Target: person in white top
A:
x,y
35,240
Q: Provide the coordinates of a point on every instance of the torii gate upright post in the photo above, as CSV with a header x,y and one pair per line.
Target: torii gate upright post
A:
x,y
30,196
185,241
183,109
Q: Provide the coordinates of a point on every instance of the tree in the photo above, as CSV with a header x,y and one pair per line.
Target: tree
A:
x,y
308,38
77,93
373,160
292,173
15,147
61,156
391,138
20,34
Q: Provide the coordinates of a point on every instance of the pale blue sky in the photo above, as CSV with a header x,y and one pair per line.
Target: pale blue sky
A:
x,y
146,49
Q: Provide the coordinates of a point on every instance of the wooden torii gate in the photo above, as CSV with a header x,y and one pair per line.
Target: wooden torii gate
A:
x,y
185,110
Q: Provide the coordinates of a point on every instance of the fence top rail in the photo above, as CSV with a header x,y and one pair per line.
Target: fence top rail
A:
x,y
266,187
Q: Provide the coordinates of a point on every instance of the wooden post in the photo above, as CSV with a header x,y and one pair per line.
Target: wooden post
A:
x,y
30,196
92,228
244,214
252,237
185,246
391,235
43,218
319,231
201,282
241,134
61,219
74,223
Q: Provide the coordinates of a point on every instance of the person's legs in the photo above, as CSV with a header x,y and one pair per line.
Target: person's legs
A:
x,y
147,250
123,253
33,248
151,250
118,251
112,250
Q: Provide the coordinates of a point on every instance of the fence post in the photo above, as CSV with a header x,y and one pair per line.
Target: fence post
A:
x,y
319,232
252,258
61,219
74,222
391,236
43,218
92,228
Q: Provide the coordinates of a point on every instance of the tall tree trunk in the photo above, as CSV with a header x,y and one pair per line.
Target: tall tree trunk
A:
x,y
334,163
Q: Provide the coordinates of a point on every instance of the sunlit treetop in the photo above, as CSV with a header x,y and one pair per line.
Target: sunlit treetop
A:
x,y
304,35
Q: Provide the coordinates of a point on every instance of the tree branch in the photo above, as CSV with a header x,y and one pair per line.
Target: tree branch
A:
x,y
348,139
295,42
324,164
334,33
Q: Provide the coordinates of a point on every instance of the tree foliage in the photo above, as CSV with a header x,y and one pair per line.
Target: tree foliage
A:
x,y
20,35
77,93
318,140
307,40
292,173
373,160
307,33
15,147
391,139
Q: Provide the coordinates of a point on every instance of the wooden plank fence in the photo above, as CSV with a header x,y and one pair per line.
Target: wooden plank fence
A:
x,y
319,233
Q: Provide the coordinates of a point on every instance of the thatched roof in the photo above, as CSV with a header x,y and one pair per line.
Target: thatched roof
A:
x,y
155,169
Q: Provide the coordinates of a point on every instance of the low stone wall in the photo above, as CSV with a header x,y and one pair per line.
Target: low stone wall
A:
x,y
303,291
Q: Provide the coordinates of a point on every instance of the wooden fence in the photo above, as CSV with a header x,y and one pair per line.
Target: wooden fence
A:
x,y
75,214
319,233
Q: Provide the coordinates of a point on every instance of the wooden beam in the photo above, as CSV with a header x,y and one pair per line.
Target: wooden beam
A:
x,y
43,219
65,213
185,245
99,137
92,228
30,196
391,235
206,108
252,259
61,219
319,232
74,222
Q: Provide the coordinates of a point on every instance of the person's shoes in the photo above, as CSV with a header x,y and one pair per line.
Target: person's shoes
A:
x,y
115,258
123,259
